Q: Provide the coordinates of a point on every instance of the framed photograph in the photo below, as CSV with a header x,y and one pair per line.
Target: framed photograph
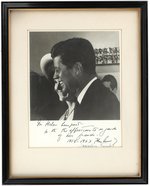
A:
x,y
74,92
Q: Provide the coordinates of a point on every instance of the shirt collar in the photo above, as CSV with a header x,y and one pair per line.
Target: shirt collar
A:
x,y
84,90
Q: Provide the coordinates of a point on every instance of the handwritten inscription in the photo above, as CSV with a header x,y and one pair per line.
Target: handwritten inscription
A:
x,y
75,133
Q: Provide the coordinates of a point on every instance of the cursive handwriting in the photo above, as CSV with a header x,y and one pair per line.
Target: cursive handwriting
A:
x,y
78,133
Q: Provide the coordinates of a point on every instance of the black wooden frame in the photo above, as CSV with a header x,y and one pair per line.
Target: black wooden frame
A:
x,y
5,6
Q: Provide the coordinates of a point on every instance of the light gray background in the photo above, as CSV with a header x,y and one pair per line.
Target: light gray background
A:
x,y
42,42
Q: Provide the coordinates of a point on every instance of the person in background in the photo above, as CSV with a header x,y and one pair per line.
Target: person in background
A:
x,y
110,82
46,65
44,101
74,63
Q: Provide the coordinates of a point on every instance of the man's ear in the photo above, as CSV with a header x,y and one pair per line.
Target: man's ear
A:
x,y
78,69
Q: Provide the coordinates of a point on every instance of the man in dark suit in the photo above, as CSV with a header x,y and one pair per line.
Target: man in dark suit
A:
x,y
98,104
74,63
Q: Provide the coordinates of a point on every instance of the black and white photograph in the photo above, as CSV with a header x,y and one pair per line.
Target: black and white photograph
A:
x,y
75,76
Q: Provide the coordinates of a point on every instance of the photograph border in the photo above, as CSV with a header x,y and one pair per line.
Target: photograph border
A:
x,y
5,7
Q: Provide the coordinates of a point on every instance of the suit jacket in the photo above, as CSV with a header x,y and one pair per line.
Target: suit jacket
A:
x,y
98,103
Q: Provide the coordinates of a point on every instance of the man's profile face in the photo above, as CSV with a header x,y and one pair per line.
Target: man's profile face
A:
x,y
64,80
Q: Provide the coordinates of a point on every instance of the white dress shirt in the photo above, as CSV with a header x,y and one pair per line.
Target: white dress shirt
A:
x,y
84,90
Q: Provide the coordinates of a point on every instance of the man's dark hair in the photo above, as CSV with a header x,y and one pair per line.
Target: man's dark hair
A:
x,y
76,50
111,79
